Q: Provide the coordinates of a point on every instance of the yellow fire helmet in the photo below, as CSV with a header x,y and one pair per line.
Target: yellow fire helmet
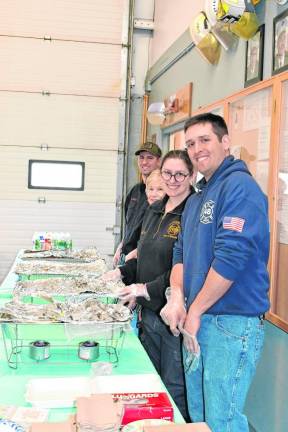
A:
x,y
247,25
239,15
230,10
220,29
204,40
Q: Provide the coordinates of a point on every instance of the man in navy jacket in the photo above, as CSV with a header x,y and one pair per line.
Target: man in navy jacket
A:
x,y
219,281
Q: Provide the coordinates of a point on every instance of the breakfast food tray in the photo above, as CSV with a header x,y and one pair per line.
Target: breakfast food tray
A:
x,y
67,286
74,310
75,255
33,267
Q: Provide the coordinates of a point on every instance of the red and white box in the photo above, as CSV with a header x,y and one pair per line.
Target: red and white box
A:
x,y
138,406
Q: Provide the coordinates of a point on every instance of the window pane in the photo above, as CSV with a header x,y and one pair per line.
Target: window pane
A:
x,y
56,175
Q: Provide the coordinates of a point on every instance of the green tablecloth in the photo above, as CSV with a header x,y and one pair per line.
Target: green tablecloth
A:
x,y
132,360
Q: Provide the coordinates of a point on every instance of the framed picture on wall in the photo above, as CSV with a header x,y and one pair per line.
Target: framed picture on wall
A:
x,y
280,43
254,58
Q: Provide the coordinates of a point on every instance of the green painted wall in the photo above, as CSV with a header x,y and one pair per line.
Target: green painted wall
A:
x,y
209,82
267,402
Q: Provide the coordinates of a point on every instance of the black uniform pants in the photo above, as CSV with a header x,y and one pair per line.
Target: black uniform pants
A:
x,y
165,352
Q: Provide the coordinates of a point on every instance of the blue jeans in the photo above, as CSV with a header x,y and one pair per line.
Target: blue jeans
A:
x,y
165,352
230,349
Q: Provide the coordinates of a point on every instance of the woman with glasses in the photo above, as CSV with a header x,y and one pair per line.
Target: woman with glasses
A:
x,y
147,277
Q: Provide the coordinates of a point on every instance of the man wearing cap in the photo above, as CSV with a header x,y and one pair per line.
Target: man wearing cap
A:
x,y
148,159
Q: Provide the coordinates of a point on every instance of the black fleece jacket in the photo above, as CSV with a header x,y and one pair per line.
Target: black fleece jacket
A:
x,y
155,248
135,206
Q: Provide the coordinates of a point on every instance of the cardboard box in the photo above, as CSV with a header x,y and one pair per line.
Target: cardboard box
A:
x,y
189,427
138,406
68,426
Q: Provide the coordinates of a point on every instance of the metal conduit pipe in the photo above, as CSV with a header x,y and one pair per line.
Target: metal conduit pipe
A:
x,y
125,104
170,64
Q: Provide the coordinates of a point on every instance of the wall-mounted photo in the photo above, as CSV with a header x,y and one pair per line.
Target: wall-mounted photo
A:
x,y
280,43
254,58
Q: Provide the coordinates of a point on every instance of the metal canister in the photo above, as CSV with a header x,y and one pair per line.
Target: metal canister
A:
x,y
39,350
88,350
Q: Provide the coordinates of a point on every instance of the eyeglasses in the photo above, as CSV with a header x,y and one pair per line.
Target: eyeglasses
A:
x,y
179,177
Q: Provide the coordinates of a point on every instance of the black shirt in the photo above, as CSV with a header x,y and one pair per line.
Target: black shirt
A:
x,y
155,250
135,206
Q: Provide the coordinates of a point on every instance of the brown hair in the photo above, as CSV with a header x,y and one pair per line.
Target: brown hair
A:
x,y
217,122
179,154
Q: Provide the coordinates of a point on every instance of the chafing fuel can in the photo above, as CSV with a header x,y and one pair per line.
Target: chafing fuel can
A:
x,y
39,350
88,350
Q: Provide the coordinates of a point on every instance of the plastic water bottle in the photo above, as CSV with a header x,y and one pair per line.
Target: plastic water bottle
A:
x,y
36,242
61,241
42,240
55,240
69,241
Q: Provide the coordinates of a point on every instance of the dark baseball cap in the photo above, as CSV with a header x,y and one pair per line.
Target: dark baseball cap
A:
x,y
149,147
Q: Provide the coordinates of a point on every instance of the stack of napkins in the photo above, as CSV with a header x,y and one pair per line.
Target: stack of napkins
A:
x,y
68,426
100,412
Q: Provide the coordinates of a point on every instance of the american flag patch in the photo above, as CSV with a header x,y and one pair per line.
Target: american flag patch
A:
x,y
233,223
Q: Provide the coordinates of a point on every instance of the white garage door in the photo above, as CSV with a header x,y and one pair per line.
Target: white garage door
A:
x,y
61,65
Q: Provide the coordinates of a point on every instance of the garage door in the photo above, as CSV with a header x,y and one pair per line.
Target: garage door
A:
x,y
62,69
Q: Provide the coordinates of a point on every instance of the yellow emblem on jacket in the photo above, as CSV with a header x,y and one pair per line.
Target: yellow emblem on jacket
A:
x,y
173,229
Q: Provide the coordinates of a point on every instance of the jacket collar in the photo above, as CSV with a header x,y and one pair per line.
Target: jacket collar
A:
x,y
228,165
159,206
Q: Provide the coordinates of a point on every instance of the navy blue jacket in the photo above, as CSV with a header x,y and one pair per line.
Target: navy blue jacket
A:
x,y
225,226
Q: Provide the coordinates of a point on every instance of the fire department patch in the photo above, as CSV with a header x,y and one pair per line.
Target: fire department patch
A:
x,y
206,215
173,229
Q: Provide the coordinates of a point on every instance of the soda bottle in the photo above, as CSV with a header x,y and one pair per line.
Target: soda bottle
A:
x,y
48,241
36,241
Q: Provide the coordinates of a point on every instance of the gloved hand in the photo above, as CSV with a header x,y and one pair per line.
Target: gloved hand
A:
x,y
130,292
111,276
174,312
131,255
191,353
117,255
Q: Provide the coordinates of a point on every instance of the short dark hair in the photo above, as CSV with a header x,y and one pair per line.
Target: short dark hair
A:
x,y
217,122
179,154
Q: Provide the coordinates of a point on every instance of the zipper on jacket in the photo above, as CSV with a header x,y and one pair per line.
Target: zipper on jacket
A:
x,y
158,229
203,197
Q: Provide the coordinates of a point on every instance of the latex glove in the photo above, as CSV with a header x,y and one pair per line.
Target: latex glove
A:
x,y
111,276
131,255
174,312
117,255
192,353
190,342
130,292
